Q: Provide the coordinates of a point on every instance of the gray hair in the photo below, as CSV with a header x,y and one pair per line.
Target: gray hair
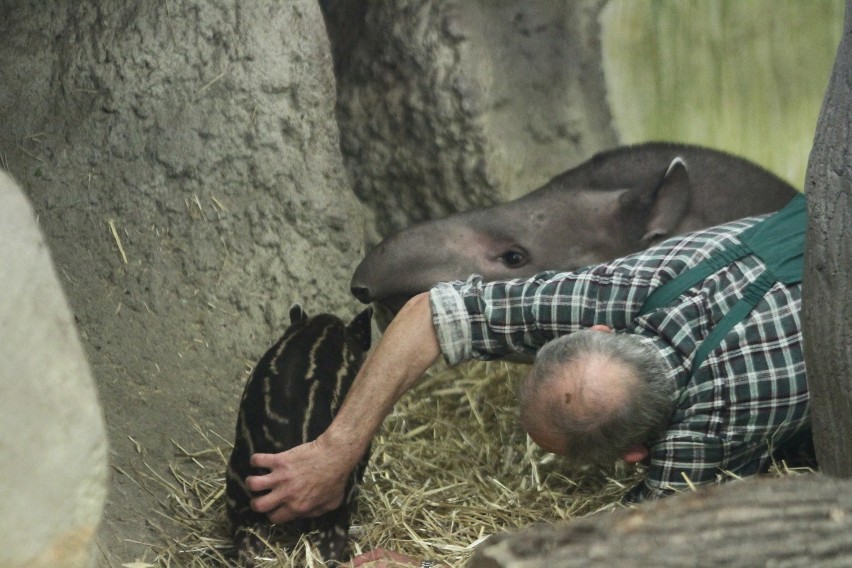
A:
x,y
605,438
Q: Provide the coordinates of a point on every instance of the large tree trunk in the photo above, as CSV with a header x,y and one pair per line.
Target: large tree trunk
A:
x,y
827,301
795,521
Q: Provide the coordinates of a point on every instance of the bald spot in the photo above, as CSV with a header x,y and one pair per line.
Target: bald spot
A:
x,y
590,389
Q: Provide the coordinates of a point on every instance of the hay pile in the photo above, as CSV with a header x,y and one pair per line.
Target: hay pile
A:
x,y
450,467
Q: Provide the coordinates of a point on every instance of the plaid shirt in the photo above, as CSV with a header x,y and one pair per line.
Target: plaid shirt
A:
x,y
749,395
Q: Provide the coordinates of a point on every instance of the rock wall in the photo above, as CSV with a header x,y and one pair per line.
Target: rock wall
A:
x,y
182,159
53,473
451,104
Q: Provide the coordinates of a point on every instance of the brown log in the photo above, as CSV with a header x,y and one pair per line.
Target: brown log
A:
x,y
799,520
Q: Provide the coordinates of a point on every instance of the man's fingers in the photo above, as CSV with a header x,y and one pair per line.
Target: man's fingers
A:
x,y
268,502
257,483
275,511
281,515
279,509
269,480
265,461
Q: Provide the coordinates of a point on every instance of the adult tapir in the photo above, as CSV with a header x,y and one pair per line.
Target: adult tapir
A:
x,y
618,202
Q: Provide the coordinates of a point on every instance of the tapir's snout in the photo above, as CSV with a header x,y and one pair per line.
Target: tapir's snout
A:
x,y
390,279
361,293
383,284
384,309
367,295
365,278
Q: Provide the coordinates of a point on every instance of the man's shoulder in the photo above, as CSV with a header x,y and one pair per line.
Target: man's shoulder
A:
x,y
710,235
691,248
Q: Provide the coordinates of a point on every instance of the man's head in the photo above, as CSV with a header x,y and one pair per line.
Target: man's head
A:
x,y
596,396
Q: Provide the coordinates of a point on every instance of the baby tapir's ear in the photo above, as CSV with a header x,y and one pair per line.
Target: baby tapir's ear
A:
x,y
359,327
297,314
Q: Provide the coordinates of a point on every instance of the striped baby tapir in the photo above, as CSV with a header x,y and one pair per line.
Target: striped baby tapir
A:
x,y
291,398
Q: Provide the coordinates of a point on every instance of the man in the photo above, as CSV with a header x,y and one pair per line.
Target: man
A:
x,y
715,312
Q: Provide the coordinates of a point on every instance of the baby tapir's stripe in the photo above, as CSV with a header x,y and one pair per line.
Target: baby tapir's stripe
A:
x,y
291,398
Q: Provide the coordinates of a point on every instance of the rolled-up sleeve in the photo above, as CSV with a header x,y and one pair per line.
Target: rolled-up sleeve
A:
x,y
478,320
452,323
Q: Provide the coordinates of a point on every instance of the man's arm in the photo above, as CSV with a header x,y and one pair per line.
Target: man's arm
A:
x,y
309,479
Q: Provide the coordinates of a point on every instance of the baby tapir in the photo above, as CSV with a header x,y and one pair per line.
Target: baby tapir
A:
x,y
291,398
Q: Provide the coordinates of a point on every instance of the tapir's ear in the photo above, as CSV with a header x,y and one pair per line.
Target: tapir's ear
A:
x,y
360,327
671,203
297,314
666,202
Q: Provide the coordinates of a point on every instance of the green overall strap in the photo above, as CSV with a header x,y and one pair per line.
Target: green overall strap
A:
x,y
666,294
778,241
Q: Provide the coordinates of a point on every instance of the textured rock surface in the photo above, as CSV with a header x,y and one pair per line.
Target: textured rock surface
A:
x,y
199,135
53,473
450,104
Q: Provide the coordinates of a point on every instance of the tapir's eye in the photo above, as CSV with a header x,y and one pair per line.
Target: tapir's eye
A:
x,y
513,258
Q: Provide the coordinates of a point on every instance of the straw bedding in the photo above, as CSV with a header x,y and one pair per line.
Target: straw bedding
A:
x,y
450,467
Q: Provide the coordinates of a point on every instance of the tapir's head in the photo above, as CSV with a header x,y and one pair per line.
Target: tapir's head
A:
x,y
553,228
617,203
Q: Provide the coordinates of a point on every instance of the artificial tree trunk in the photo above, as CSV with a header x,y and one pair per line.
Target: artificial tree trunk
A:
x,y
800,520
826,296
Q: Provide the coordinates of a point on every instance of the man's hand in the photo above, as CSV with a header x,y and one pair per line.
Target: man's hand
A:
x,y
306,481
